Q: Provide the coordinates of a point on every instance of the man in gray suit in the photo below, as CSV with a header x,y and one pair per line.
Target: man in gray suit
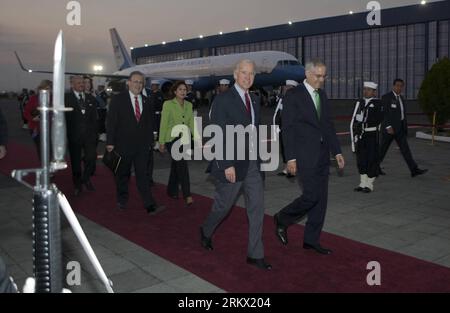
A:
x,y
236,107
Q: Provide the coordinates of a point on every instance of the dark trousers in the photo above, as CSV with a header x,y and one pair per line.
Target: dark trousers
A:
x,y
402,141
179,175
86,151
367,154
313,201
139,161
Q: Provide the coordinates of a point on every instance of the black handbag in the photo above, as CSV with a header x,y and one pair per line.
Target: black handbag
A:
x,y
112,160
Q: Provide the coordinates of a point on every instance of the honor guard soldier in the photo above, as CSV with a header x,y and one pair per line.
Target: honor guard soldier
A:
x,y
365,127
224,85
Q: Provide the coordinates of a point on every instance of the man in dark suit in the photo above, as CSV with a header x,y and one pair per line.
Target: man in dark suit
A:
x,y
81,133
395,126
235,108
130,126
309,137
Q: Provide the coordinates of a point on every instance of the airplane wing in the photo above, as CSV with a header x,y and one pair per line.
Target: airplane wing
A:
x,y
67,73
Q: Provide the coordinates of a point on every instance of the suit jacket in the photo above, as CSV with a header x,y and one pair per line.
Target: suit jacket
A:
x,y
229,109
173,114
81,126
393,113
3,130
303,133
124,132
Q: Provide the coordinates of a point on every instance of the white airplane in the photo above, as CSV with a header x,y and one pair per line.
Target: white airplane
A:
x,y
273,68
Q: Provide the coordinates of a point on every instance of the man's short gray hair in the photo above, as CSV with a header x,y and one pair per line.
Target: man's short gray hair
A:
x,y
244,61
313,63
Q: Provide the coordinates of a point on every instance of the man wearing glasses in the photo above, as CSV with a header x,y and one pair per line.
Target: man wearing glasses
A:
x,y
309,137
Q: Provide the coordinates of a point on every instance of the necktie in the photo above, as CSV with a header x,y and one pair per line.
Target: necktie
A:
x,y
137,108
81,101
317,102
247,103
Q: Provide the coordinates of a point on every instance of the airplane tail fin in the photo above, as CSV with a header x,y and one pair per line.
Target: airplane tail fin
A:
x,y
123,59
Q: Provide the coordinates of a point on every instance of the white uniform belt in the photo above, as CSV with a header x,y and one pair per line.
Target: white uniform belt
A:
x,y
370,129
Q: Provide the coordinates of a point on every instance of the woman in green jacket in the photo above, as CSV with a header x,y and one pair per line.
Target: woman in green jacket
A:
x,y
176,112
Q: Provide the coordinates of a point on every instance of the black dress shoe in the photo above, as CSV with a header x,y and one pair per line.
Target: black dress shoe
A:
x,y
77,192
317,248
89,186
358,189
205,241
418,172
366,190
259,263
280,230
121,206
281,174
154,208
380,172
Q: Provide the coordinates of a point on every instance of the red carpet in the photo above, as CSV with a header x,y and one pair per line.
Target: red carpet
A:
x,y
173,234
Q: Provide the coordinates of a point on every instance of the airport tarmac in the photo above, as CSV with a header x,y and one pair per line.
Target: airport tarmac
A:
x,y
407,215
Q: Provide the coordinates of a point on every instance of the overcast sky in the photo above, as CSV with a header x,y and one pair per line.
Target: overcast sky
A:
x,y
30,27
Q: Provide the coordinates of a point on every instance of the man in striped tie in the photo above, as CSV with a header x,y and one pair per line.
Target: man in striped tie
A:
x,y
236,107
130,127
